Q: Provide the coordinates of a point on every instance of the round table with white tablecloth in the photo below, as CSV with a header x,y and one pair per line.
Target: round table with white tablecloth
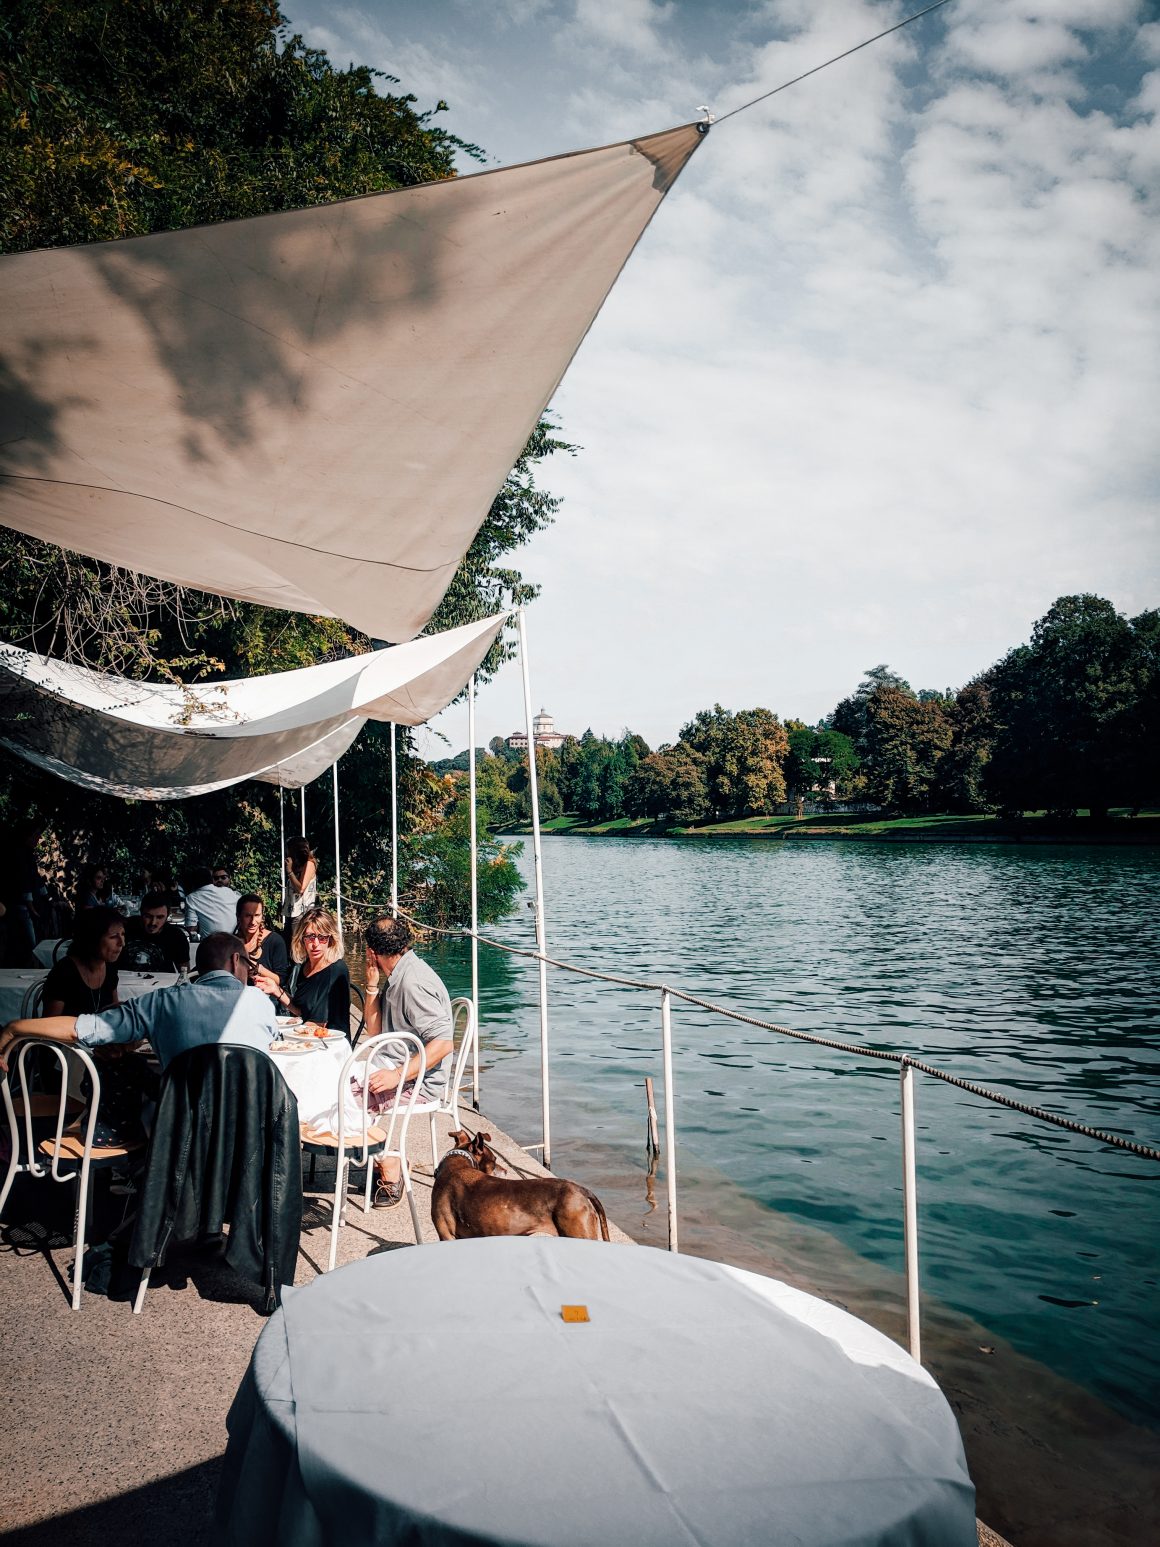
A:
x,y
312,1073
575,1394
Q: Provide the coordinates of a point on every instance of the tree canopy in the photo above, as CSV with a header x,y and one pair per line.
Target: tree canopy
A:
x,y
1068,721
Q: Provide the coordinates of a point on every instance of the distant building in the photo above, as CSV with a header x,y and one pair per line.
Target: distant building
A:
x,y
544,730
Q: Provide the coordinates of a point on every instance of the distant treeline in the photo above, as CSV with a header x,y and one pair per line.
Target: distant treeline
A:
x,y
1068,721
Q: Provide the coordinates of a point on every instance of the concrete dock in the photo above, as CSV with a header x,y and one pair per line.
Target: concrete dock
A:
x,y
114,1428
114,1424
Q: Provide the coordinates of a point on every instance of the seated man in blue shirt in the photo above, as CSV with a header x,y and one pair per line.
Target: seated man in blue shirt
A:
x,y
219,1007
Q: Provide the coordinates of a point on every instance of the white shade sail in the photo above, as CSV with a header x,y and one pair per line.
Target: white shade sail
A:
x,y
160,741
315,409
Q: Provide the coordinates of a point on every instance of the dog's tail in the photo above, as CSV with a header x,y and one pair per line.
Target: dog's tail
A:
x,y
600,1214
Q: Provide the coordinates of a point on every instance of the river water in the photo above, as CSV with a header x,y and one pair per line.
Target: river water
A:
x,y
1032,970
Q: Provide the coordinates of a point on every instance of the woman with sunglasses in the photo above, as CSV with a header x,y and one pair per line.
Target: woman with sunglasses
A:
x,y
319,986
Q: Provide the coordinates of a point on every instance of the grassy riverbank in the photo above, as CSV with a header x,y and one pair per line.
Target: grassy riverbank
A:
x,y
1032,827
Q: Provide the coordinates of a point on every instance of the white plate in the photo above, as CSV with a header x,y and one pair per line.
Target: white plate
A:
x,y
290,1049
288,1020
309,1036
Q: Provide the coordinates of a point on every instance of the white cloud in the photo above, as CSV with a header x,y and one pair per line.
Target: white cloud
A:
x,y
632,26
880,382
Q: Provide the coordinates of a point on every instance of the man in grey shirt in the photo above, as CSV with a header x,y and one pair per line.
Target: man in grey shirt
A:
x,y
219,1007
405,994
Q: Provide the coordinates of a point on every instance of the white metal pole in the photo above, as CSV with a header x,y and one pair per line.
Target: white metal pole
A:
x,y
910,1214
541,923
670,1127
394,828
337,852
302,792
474,889
282,841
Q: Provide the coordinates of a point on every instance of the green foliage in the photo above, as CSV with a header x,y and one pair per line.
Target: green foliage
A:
x,y
439,862
119,119
742,756
818,759
960,783
1074,707
905,739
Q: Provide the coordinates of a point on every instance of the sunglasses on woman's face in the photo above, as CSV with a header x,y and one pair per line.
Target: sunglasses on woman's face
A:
x,y
316,939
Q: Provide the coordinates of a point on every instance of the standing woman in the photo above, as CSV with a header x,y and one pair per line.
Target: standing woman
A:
x,y
319,987
85,981
301,883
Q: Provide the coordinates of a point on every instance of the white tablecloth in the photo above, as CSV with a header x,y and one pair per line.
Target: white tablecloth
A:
x,y
16,981
313,1077
436,1395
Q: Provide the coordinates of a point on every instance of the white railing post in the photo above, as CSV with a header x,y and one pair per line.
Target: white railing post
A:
x,y
394,829
302,793
474,889
541,926
337,853
670,1128
910,1213
282,842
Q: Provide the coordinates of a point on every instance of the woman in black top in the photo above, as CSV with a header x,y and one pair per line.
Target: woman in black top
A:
x,y
319,987
85,981
265,947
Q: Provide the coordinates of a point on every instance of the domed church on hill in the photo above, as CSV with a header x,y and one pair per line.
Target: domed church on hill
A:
x,y
544,730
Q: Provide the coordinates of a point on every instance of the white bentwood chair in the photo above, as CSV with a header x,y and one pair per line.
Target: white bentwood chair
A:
x,y
70,1144
463,1026
375,1134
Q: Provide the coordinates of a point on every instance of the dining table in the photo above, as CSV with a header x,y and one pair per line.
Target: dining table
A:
x,y
312,1069
561,1393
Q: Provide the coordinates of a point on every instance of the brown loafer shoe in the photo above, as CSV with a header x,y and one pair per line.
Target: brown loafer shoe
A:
x,y
388,1194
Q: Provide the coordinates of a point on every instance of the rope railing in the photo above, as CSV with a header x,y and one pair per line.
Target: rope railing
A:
x,y
906,1064
859,1050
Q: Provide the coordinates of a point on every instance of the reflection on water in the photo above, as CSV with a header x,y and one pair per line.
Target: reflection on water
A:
x,y
1032,970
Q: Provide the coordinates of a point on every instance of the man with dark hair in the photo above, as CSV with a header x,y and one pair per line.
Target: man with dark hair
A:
x,y
152,943
219,1007
404,994
209,908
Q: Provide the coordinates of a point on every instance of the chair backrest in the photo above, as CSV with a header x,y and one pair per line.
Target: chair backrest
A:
x,y
39,1105
220,1107
32,1004
359,998
393,1048
461,1010
61,947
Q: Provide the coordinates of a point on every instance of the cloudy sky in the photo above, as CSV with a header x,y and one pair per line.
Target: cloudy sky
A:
x,y
880,381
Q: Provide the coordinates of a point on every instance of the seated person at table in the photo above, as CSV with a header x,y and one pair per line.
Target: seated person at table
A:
x,y
94,889
209,908
85,980
404,994
152,943
265,947
219,1007
319,986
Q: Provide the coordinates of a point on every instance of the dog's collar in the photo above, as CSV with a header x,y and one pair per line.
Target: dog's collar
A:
x,y
467,1155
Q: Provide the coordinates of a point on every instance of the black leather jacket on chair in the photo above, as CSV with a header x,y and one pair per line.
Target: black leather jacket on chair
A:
x,y
225,1148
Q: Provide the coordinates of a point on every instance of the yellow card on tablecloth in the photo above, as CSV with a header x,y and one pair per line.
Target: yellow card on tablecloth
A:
x,y
574,1312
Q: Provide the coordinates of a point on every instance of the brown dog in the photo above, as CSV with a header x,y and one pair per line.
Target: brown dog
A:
x,y
468,1200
